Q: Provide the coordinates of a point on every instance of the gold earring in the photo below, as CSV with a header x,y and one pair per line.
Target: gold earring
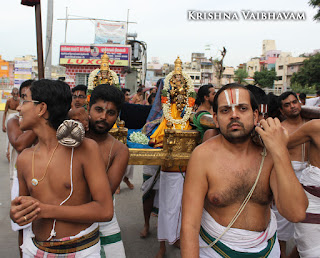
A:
x,y
39,115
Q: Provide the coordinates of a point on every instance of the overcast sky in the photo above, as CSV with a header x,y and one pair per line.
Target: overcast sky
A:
x,y
164,26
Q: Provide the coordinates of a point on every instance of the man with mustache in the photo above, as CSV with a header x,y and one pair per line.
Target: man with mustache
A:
x,y
230,183
104,107
290,108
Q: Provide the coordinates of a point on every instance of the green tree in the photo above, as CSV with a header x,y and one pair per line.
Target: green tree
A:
x,y
297,88
265,78
240,75
309,73
315,4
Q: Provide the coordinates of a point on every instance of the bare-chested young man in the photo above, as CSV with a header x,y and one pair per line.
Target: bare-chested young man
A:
x,y
290,108
63,191
221,173
104,107
307,233
19,141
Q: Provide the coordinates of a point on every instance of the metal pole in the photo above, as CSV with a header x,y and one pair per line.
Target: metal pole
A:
x,y
65,30
48,55
127,25
39,41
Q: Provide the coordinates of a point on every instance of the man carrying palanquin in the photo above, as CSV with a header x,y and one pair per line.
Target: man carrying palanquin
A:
x,y
177,102
230,183
63,190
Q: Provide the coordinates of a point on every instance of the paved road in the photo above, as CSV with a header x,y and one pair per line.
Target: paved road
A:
x,y
128,209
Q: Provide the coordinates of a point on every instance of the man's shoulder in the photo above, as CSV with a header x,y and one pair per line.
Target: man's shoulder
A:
x,y
25,156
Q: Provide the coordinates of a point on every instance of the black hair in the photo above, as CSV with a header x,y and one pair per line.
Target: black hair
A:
x,y
253,101
57,95
152,95
318,92
202,92
26,83
302,96
140,90
284,95
80,87
107,92
125,90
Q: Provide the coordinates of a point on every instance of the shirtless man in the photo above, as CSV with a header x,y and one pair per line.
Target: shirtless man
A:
x,y
138,97
307,232
63,191
221,173
104,107
290,108
79,96
11,107
19,141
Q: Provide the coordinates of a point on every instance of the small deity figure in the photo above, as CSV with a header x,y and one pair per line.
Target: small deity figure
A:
x,y
104,76
175,101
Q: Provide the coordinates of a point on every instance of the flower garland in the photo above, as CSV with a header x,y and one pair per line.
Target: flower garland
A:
x,y
166,103
95,72
139,137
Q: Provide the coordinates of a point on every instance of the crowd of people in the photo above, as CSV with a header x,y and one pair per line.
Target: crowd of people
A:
x,y
251,186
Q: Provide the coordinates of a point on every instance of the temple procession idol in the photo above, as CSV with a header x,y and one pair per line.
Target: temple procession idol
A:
x,y
177,98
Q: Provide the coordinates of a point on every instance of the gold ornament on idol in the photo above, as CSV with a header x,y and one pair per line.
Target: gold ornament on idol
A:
x,y
35,181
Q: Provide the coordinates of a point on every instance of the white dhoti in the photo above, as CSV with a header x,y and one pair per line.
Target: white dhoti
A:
x,y
151,176
129,172
86,243
110,238
237,242
285,229
170,196
307,232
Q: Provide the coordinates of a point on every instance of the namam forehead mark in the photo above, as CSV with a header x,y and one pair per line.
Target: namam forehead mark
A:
x,y
78,92
233,98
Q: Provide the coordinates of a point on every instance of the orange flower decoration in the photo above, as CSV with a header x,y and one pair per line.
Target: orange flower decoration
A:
x,y
88,98
191,101
164,99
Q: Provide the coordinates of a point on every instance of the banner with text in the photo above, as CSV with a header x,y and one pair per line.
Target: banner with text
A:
x,y
110,32
91,55
22,72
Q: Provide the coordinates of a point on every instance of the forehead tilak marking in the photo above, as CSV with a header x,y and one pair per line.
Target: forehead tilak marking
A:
x,y
232,104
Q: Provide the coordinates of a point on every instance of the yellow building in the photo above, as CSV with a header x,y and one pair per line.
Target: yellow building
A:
x,y
4,68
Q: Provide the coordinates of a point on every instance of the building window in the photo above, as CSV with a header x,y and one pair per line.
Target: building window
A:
x,y
82,78
280,67
4,67
192,77
197,77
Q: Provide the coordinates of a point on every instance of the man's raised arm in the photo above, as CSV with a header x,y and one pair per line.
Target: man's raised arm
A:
x,y
194,192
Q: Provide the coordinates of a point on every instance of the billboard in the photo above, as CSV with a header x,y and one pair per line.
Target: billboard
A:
x,y
22,72
110,32
91,54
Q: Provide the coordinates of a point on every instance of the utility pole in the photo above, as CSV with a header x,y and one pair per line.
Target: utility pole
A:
x,y
39,41
65,30
48,55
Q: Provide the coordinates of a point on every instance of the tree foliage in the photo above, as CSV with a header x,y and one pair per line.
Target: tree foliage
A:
x,y
309,73
297,88
265,78
240,75
315,4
